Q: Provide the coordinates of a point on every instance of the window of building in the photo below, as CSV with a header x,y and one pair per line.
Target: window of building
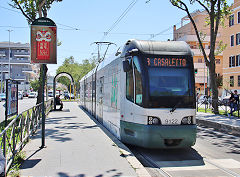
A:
x,y
218,61
231,81
237,60
238,17
232,40
231,20
237,38
200,60
18,74
232,61
238,81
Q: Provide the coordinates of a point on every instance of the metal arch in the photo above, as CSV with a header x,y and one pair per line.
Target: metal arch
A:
x,y
61,74
69,76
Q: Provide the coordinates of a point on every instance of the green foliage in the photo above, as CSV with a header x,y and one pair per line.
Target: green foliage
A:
x,y
35,85
76,69
30,8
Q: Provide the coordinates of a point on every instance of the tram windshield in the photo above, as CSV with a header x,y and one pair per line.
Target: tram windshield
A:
x,y
170,79
169,82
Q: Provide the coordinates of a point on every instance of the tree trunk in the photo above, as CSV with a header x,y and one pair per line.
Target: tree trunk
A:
x,y
213,83
40,92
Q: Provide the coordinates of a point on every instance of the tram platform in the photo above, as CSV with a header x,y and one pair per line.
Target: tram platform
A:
x,y
77,145
222,123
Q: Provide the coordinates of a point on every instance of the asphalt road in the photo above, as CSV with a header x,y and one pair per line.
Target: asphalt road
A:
x,y
23,105
214,154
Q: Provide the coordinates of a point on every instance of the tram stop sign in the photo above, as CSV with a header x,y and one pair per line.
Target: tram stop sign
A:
x,y
43,41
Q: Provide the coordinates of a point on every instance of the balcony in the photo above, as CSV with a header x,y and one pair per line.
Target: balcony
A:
x,y
197,52
4,70
2,54
21,54
27,70
22,78
16,61
200,79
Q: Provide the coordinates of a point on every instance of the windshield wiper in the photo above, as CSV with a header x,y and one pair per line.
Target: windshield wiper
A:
x,y
175,107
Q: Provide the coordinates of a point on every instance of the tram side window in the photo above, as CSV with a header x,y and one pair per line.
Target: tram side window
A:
x,y
138,81
130,86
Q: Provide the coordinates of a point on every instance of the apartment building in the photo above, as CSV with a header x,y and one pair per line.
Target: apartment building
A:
x,y
231,55
17,56
187,33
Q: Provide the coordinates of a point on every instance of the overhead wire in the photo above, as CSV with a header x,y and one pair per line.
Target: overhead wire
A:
x,y
130,6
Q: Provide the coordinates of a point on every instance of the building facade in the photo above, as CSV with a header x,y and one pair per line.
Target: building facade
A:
x,y
187,33
231,55
15,64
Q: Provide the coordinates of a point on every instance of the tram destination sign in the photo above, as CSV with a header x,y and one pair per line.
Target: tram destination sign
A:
x,y
167,62
43,41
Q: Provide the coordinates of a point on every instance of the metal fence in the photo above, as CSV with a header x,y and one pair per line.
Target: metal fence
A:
x,y
20,128
223,107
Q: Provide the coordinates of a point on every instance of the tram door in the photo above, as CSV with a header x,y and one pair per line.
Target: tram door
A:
x,y
100,100
129,101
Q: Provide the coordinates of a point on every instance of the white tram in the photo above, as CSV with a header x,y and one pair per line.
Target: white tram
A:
x,y
146,95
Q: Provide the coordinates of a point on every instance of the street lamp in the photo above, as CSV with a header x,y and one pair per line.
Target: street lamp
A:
x,y
1,77
9,69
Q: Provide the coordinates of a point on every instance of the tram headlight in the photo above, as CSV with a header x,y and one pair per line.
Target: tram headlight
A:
x,y
187,120
153,120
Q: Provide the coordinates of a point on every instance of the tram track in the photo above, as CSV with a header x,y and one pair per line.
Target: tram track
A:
x,y
146,159
152,163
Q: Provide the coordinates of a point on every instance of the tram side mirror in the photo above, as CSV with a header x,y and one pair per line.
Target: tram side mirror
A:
x,y
126,66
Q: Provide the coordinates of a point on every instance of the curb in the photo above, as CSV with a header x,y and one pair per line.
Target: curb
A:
x,y
124,150
226,128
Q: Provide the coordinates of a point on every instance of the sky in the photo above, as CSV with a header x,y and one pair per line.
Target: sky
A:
x,y
80,23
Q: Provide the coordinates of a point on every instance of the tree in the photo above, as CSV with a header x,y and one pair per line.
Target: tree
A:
x,y
216,10
31,9
35,85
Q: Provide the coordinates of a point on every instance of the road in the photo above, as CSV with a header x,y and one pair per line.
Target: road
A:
x,y
23,105
214,154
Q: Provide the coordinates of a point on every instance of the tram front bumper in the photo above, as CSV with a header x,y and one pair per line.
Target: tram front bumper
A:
x,y
158,136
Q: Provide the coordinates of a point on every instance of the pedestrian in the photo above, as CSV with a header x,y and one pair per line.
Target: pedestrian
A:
x,y
233,102
59,102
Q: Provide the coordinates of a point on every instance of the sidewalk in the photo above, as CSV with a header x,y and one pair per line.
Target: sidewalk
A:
x,y
76,145
219,122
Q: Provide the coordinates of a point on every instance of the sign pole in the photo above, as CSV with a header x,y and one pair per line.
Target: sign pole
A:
x,y
43,108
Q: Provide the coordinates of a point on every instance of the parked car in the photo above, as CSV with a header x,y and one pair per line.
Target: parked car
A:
x,y
25,94
50,93
32,95
20,95
71,96
2,96
66,95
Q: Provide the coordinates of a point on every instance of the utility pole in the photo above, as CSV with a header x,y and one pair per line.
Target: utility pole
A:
x,y
9,69
99,61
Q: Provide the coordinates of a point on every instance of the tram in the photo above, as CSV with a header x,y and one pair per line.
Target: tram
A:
x,y
145,96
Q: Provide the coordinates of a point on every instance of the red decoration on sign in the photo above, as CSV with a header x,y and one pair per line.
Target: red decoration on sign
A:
x,y
43,50
43,39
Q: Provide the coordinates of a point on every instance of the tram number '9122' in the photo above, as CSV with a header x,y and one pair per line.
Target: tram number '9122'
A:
x,y
171,121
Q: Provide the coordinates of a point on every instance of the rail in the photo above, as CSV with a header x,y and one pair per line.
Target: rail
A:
x,y
19,129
